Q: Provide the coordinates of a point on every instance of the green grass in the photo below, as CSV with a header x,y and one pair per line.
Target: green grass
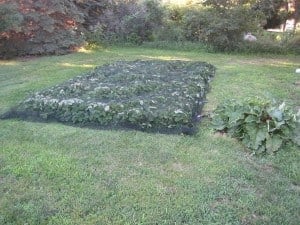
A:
x,y
56,174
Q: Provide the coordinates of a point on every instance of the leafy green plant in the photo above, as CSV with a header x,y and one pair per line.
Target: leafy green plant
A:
x,y
159,95
272,43
260,124
220,25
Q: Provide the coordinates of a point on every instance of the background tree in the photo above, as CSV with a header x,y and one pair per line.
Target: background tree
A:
x,y
222,5
10,18
295,14
44,27
275,12
92,10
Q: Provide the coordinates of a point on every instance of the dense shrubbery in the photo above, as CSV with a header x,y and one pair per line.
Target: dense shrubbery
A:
x,y
132,21
141,94
215,28
219,29
293,43
273,43
54,27
261,125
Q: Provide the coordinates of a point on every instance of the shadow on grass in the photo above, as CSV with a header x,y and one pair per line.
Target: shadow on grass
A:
x,y
14,113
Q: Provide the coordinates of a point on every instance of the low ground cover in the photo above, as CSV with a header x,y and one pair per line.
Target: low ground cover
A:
x,y
51,173
160,95
262,125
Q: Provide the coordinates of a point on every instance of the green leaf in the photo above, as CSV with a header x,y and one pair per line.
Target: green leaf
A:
x,y
273,143
260,137
234,117
251,119
218,123
278,125
282,107
276,114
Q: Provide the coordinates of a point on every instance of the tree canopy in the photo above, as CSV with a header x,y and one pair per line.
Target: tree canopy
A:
x,y
42,27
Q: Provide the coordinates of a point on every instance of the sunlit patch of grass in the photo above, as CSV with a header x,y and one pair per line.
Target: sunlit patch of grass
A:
x,y
165,58
81,65
8,63
85,50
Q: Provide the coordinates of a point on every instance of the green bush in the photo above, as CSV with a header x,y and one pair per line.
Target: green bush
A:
x,y
293,43
194,21
172,27
224,30
176,45
273,43
220,29
132,21
261,125
142,94
171,32
262,45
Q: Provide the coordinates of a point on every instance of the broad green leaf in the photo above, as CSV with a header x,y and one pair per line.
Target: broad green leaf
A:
x,y
218,123
259,124
278,125
234,117
276,114
251,118
282,107
260,137
260,150
273,143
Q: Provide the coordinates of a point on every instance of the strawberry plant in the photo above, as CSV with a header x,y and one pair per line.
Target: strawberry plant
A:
x,y
261,125
160,95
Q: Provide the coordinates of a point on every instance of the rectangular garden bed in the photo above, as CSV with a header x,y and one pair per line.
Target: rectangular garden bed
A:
x,y
151,95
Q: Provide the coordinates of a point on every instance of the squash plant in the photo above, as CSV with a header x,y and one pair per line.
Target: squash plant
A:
x,y
262,125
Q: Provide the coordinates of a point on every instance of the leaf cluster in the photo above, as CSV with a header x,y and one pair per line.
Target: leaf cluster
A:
x,y
141,94
261,125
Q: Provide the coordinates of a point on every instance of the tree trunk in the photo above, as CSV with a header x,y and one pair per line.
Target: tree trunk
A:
x,y
296,13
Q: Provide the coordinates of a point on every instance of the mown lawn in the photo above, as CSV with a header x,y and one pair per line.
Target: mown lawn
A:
x,y
58,174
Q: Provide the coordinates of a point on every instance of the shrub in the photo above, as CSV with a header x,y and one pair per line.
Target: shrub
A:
x,y
293,44
176,45
171,29
260,125
273,43
132,21
194,21
224,30
158,95
262,45
221,30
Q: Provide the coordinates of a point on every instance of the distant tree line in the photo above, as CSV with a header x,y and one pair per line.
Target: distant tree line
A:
x,y
59,26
